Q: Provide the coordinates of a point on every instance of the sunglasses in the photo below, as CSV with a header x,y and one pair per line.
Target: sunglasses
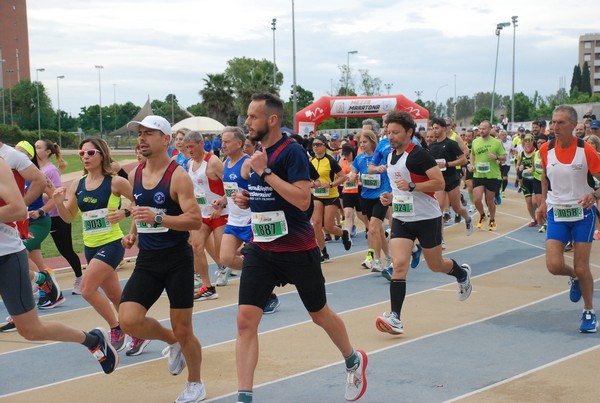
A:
x,y
89,153
318,144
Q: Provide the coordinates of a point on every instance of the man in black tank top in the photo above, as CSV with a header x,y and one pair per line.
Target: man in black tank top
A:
x,y
165,210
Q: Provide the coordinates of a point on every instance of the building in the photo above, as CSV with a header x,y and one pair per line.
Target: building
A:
x,y
14,43
589,51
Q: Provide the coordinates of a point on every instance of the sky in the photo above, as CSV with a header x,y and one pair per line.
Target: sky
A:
x,y
439,48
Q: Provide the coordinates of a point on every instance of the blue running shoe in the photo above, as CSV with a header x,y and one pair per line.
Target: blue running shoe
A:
x,y
387,273
589,324
353,232
416,257
104,352
575,292
272,305
498,200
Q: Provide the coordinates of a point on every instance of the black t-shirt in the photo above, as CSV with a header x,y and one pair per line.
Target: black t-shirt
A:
x,y
450,151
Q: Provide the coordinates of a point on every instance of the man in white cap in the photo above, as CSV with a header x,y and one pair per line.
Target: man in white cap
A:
x,y
165,212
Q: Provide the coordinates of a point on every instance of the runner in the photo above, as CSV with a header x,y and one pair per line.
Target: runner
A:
x,y
236,172
15,287
526,169
183,156
414,176
165,212
569,206
326,193
487,153
98,196
448,156
283,249
351,192
206,171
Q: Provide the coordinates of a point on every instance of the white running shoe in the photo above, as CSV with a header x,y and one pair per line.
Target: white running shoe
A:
x,y
356,378
376,267
465,288
77,286
194,392
176,358
222,276
388,322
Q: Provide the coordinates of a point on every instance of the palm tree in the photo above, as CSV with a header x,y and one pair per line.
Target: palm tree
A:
x,y
217,97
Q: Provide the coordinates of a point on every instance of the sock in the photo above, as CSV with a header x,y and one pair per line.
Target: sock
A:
x,y
458,272
415,249
39,278
397,294
371,252
351,360
118,327
324,251
589,310
504,184
244,396
91,341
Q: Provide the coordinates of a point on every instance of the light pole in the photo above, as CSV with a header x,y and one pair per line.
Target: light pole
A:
x,y
512,104
498,29
436,93
37,87
115,104
273,27
99,67
295,96
350,52
2,80
455,100
58,78
418,93
9,72
388,86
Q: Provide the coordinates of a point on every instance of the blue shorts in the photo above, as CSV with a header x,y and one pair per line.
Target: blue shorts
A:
x,y
243,233
576,231
111,253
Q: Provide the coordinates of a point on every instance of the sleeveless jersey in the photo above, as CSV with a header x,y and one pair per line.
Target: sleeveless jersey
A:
x,y
158,198
93,204
411,166
206,189
232,182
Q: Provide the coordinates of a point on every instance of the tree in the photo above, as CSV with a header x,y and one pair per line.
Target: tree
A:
x,y
481,115
524,108
369,85
586,81
25,103
576,79
248,76
346,83
303,99
217,97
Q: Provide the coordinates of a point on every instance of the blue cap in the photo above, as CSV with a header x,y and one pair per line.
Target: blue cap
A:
x,y
335,136
595,124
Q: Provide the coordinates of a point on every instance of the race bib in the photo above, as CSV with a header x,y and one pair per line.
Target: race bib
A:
x,y
201,199
403,206
371,181
268,226
143,228
527,174
321,192
230,189
568,213
482,167
350,185
95,221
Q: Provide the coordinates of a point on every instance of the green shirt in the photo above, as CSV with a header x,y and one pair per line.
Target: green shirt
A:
x,y
483,167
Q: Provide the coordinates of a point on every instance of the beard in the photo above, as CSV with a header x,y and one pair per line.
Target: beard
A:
x,y
259,134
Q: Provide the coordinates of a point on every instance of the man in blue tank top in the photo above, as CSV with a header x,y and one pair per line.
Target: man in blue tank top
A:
x,y
283,248
165,210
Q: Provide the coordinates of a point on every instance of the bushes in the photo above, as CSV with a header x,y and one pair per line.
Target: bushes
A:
x,y
12,135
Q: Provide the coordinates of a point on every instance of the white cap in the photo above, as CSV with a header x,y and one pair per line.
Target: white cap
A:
x,y
151,122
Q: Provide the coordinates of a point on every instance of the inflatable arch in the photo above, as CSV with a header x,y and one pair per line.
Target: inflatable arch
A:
x,y
338,107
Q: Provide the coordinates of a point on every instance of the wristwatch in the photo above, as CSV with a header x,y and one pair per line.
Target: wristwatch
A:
x,y
41,212
158,218
127,212
330,184
266,172
411,186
